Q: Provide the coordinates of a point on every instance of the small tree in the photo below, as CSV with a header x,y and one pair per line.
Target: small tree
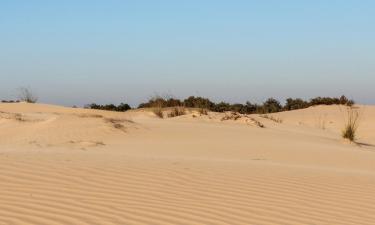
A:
x,y
27,95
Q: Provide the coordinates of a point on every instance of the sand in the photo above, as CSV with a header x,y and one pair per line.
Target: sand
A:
x,y
76,166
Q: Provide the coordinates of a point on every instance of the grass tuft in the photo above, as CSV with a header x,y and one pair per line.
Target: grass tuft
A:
x,y
203,111
158,111
274,119
351,124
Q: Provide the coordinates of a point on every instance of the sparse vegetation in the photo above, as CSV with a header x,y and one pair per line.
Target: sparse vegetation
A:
x,y
158,111
351,124
203,111
231,116
274,119
27,95
13,116
117,123
90,115
257,123
177,111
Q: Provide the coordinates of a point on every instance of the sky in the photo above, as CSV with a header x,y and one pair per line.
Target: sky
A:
x,y
75,52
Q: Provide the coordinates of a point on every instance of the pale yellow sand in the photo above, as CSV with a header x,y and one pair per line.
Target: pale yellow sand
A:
x,y
74,166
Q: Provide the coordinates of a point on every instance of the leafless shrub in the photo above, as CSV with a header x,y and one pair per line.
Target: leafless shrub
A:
x,y
27,95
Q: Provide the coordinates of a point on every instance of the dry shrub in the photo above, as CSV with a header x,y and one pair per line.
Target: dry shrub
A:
x,y
158,111
203,111
177,111
256,122
351,123
27,95
231,116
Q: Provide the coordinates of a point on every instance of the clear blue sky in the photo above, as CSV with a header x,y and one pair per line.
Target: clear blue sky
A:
x,y
83,51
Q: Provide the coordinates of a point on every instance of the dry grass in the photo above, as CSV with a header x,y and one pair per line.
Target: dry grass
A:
x,y
158,111
117,123
231,116
13,116
351,123
177,111
83,115
257,123
274,119
203,111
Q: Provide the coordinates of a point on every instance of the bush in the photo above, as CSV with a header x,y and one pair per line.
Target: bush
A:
x,y
331,101
110,107
123,107
249,108
221,107
271,106
293,104
198,102
162,102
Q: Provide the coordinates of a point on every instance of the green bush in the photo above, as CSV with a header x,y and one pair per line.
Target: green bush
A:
x,y
110,107
198,102
271,105
293,104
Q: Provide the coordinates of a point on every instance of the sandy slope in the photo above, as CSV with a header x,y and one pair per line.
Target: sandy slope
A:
x,y
73,166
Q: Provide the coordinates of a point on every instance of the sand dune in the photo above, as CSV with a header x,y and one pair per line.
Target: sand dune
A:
x,y
77,166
